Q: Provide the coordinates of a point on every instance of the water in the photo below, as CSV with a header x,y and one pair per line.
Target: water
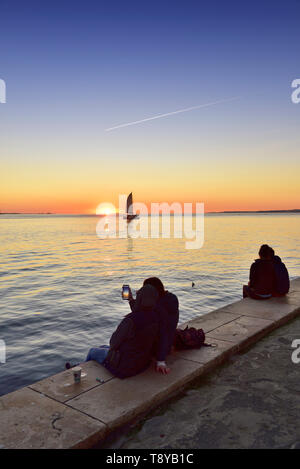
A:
x,y
60,285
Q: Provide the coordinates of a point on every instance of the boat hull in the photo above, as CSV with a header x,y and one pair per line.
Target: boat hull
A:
x,y
130,217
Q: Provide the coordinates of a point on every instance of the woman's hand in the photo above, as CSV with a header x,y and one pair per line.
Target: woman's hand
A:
x,y
161,367
130,297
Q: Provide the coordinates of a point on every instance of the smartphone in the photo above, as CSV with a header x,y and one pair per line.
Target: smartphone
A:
x,y
125,292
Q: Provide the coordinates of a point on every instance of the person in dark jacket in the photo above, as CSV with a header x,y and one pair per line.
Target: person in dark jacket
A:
x,y
282,279
168,309
262,276
132,345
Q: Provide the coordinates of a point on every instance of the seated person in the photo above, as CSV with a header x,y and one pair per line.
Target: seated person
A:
x,y
262,276
132,345
168,314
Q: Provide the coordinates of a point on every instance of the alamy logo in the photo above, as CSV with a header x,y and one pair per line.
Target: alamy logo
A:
x,y
296,94
2,91
136,221
296,353
2,351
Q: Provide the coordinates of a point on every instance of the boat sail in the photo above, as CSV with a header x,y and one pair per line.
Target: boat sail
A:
x,y
129,209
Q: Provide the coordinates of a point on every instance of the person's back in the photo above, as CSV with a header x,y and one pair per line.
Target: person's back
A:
x,y
168,312
262,276
169,302
169,316
132,344
282,280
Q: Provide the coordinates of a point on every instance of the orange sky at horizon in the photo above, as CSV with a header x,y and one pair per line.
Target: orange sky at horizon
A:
x,y
231,196
45,205
222,181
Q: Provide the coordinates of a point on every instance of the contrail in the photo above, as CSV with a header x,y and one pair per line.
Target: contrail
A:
x,y
172,113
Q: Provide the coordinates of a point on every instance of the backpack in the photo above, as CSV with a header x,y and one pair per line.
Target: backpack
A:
x,y
189,338
282,281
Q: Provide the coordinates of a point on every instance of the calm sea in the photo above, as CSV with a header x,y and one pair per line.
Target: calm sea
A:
x,y
60,284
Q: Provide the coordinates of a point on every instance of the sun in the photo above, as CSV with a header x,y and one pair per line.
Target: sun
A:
x,y
105,208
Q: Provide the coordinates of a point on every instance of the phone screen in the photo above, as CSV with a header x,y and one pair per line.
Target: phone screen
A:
x,y
125,292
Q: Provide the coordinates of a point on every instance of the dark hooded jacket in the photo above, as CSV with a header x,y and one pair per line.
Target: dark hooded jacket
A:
x,y
262,277
131,345
168,314
282,280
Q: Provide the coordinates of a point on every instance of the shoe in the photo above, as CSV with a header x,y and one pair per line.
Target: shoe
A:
x,y
68,365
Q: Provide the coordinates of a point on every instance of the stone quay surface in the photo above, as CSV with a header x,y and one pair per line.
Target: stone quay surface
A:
x,y
57,413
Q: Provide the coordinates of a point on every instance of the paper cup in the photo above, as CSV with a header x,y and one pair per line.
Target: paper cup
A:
x,y
77,374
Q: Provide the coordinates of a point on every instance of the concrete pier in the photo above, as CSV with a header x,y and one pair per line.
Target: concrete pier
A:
x,y
56,413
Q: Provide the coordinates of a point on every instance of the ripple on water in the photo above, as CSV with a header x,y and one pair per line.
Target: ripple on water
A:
x,y
60,285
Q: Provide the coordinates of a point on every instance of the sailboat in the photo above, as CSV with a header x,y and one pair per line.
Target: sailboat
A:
x,y
129,209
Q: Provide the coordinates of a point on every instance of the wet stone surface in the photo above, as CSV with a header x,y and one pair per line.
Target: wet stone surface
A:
x,y
253,401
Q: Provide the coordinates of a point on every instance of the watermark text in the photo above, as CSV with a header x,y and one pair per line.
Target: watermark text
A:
x,y
2,351
163,220
2,91
296,353
296,93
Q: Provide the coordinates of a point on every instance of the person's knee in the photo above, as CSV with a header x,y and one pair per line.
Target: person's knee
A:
x,y
90,355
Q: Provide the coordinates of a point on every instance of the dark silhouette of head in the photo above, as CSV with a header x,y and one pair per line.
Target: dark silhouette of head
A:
x,y
266,252
156,283
146,298
272,253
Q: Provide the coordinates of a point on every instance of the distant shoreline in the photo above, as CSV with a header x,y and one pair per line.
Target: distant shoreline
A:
x,y
295,210
31,213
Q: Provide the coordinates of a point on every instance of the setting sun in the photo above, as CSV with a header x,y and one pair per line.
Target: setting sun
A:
x,y
105,208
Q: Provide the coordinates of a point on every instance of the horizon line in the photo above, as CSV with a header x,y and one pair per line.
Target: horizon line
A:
x,y
160,213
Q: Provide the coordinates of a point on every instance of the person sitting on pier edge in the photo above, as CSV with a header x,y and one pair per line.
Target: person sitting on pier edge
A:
x,y
268,276
132,345
168,308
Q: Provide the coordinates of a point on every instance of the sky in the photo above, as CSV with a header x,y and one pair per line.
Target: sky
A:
x,y
75,69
